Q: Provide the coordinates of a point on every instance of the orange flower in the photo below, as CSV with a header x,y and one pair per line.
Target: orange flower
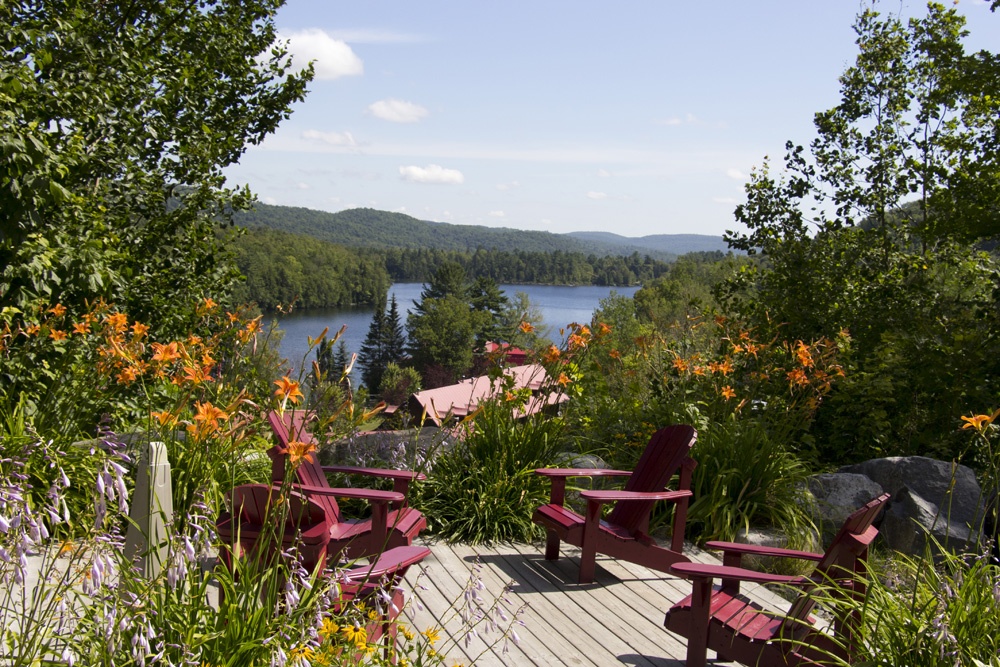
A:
x,y
798,378
118,321
81,328
300,450
603,329
728,392
209,416
165,353
563,379
526,327
576,341
127,375
615,354
139,330
197,375
288,389
698,370
58,310
31,330
164,418
551,355
802,352
720,320
724,367
977,422
207,360
680,364
232,316
57,335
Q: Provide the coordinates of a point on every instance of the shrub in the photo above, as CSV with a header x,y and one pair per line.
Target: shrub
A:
x,y
484,489
746,478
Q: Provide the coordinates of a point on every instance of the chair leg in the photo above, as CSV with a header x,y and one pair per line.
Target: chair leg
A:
x,y
551,545
588,562
701,598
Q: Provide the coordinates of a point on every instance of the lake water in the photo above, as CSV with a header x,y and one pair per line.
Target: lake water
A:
x,y
559,306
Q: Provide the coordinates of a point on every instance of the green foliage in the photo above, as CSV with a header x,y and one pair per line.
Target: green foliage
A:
x,y
746,478
844,250
117,122
282,268
398,383
385,344
484,489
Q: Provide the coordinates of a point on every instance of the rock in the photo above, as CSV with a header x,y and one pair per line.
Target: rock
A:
x,y
767,537
928,496
836,495
911,518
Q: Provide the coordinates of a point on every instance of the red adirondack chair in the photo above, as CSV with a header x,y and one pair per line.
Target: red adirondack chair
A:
x,y
624,534
249,529
738,630
356,538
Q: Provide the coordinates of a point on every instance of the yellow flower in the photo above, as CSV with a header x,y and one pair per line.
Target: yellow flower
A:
x,y
432,634
355,634
328,628
407,633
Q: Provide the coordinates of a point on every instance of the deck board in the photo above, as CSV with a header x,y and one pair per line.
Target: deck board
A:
x,y
616,620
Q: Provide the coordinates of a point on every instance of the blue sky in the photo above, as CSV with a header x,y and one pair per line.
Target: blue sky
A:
x,y
635,117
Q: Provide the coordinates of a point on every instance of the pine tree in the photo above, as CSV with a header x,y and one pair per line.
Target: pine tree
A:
x,y
372,356
393,336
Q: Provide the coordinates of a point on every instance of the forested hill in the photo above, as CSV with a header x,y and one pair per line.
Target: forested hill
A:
x,y
370,228
678,244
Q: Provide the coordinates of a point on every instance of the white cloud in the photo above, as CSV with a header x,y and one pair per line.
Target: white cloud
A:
x,y
603,173
507,186
270,201
333,57
332,138
596,195
432,173
302,186
668,121
397,111
497,214
736,174
546,221
366,36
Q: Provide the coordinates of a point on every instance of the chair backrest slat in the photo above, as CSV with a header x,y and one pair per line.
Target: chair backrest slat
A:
x,y
660,460
289,427
841,561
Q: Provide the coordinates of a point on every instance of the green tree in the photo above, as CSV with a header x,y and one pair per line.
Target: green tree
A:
x,y
117,120
488,300
398,383
372,355
442,338
843,248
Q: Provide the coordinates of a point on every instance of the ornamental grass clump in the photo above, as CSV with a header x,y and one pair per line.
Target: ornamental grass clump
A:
x,y
484,489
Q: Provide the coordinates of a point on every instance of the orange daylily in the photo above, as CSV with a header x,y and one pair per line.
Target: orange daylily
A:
x,y
58,310
300,450
551,355
81,328
165,353
139,330
728,392
526,327
57,335
117,321
288,389
977,422
209,415
563,379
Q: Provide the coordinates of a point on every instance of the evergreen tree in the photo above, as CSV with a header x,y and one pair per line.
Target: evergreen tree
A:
x,y
371,358
393,336
487,299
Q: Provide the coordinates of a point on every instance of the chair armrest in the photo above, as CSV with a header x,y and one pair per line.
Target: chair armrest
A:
x,y
612,496
581,472
388,563
703,571
738,548
371,495
376,472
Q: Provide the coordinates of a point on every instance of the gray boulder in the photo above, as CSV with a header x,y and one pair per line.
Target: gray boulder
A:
x,y
836,495
928,497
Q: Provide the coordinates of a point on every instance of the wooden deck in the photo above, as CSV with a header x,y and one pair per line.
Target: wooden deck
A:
x,y
617,620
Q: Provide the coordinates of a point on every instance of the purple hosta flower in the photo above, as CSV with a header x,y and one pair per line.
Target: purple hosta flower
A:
x,y
291,594
4,524
278,658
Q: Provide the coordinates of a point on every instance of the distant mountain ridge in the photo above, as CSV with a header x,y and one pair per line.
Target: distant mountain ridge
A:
x,y
371,228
